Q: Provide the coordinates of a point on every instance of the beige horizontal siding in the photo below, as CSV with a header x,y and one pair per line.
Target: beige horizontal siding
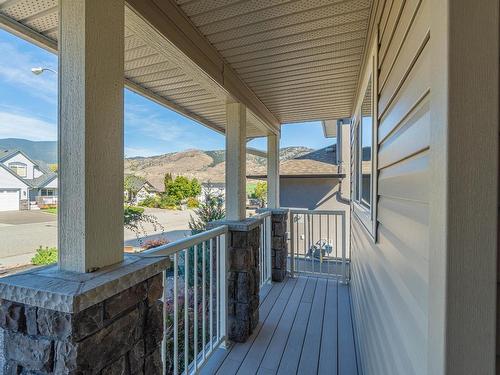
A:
x,y
390,282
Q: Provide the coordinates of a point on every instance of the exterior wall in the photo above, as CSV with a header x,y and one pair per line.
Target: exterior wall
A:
x,y
390,277
8,181
20,158
310,193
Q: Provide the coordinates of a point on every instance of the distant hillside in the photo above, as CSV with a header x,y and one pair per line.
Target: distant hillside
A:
x,y
204,165
42,150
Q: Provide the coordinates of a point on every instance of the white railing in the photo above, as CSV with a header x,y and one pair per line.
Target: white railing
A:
x,y
194,300
318,243
265,266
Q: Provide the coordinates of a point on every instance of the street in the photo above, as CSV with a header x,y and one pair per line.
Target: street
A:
x,y
22,232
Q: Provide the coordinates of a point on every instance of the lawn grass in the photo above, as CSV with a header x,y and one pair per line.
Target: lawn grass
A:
x,y
52,210
251,187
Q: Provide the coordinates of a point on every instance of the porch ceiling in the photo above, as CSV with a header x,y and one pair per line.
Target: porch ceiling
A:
x,y
292,60
301,58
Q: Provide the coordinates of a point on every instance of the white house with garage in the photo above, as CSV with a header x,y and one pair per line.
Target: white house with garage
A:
x,y
25,183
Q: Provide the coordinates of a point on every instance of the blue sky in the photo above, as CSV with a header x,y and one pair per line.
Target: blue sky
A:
x,y
28,109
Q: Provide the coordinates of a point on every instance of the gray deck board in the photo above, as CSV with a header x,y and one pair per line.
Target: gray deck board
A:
x,y
256,353
305,328
272,357
347,357
328,355
310,351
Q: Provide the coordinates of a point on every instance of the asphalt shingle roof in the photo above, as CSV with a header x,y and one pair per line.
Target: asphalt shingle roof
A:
x,y
316,163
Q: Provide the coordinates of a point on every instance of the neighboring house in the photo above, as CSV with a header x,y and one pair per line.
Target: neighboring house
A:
x,y
25,183
311,181
218,188
140,189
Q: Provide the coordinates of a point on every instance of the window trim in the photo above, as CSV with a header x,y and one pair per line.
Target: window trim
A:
x,y
16,165
366,215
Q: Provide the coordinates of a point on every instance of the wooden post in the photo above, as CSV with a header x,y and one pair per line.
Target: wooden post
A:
x,y
91,66
273,171
236,161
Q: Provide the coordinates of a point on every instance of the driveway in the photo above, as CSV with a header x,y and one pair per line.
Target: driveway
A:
x,y
8,218
22,232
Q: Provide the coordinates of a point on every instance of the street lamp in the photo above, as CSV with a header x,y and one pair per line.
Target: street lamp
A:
x,y
39,70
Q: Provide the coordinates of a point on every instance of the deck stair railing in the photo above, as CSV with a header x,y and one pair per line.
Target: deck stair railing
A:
x,y
318,243
194,300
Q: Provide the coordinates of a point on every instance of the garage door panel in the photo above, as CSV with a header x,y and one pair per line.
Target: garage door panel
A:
x,y
9,200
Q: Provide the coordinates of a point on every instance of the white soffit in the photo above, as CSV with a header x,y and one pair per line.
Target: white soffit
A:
x,y
154,67
301,58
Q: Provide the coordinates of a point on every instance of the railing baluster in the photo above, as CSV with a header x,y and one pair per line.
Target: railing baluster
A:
x,y
320,249
223,285
195,306
186,311
176,314
217,291
268,242
211,322
203,299
165,312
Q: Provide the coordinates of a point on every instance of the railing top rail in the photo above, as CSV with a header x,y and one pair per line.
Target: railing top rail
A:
x,y
185,243
262,215
322,212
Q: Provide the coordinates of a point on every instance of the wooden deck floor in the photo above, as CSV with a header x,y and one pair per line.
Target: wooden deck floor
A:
x,y
305,328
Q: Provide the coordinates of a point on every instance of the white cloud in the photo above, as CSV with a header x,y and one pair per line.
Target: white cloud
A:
x,y
13,125
15,67
175,135
139,151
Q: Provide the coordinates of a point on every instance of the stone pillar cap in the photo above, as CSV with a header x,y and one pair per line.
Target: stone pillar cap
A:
x,y
71,292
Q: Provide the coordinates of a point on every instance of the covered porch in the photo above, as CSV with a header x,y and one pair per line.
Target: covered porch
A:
x,y
246,296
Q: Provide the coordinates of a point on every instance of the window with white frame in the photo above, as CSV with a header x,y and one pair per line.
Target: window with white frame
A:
x,y
364,149
20,169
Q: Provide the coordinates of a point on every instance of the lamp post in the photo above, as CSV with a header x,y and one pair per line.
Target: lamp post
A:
x,y
39,70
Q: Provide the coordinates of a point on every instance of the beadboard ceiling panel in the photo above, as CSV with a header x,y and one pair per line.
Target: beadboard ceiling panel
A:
x,y
299,58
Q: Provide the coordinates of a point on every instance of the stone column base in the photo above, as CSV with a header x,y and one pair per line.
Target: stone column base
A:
x,y
108,322
279,247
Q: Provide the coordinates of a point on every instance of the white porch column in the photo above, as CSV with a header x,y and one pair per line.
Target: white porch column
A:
x,y
273,171
236,161
91,45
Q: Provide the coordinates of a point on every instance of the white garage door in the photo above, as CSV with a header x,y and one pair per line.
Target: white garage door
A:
x,y
9,200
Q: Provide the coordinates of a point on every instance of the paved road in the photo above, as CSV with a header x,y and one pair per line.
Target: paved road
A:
x,y
22,232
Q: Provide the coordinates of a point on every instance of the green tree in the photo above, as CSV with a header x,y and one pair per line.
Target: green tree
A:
x,y
182,188
195,188
167,180
260,192
179,189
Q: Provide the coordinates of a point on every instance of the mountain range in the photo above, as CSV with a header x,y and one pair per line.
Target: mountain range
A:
x,y
204,165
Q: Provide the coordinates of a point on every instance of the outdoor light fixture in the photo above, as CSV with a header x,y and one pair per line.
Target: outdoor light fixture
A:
x,y
39,70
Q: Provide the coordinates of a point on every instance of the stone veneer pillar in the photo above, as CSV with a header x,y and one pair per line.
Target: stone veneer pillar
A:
x,y
243,277
279,241
106,322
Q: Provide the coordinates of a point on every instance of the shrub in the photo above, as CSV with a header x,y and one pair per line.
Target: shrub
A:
x,y
192,202
151,202
132,214
168,202
43,256
210,208
134,219
151,244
